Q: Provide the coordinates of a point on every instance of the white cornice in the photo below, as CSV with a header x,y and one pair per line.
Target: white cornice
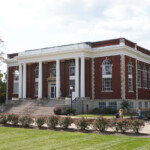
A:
x,y
79,52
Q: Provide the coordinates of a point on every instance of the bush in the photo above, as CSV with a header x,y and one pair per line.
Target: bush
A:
x,y
82,123
40,121
65,122
101,123
13,118
137,125
113,124
25,121
67,111
106,110
57,110
3,119
52,121
123,125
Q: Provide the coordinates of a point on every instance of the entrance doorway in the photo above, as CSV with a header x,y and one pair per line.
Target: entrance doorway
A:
x,y
52,91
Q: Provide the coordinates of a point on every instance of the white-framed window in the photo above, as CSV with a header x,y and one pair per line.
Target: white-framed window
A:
x,y
144,77
36,88
146,105
107,75
16,82
53,71
36,71
140,104
72,69
130,76
102,105
113,105
139,75
149,77
131,106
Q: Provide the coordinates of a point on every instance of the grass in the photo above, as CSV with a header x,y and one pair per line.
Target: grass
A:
x,y
96,115
31,139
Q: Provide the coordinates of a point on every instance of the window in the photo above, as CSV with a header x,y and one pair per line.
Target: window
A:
x,y
131,106
130,80
36,88
107,75
16,82
139,75
102,105
72,84
140,104
72,69
149,77
144,77
36,71
113,105
146,105
53,70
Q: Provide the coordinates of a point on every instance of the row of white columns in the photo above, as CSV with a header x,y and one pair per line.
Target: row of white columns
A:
x,y
23,77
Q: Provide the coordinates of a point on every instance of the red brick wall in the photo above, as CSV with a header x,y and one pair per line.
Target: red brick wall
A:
x,y
144,93
116,78
105,43
88,80
130,95
10,82
129,43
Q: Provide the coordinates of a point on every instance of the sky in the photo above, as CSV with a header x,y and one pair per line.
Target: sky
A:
x,y
32,24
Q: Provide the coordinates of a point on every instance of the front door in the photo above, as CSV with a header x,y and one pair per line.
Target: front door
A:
x,y
52,91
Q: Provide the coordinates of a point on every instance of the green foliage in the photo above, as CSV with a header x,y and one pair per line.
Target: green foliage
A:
x,y
125,104
25,121
57,110
137,125
101,123
2,88
13,118
65,122
52,121
40,121
67,110
3,119
82,123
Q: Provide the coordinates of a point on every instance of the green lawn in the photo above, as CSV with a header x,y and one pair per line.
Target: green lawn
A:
x,y
96,115
31,139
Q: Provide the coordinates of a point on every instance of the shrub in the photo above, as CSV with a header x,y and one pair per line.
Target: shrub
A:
x,y
52,121
101,123
82,123
65,122
57,110
40,121
106,110
25,121
3,119
13,118
123,125
113,124
137,125
67,110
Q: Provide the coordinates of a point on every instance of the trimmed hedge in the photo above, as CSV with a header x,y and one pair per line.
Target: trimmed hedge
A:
x,y
101,124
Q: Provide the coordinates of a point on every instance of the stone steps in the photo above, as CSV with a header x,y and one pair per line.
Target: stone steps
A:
x,y
34,107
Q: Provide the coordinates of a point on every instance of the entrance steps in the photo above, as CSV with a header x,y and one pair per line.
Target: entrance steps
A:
x,y
34,107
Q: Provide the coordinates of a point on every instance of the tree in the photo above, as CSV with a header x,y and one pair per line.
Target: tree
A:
x,y
125,105
3,78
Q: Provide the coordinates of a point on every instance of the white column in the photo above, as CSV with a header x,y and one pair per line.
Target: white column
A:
x,y
40,81
77,77
20,81
57,78
24,80
82,79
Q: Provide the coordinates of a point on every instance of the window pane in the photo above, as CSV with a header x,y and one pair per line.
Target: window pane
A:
x,y
53,70
107,84
15,88
144,77
113,105
72,69
102,105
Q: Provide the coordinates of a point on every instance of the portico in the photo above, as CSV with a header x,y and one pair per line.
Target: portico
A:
x,y
55,84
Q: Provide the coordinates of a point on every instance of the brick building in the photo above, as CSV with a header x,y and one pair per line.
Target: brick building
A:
x,y
103,73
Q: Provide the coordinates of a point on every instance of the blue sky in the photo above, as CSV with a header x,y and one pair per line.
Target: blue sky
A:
x,y
31,24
